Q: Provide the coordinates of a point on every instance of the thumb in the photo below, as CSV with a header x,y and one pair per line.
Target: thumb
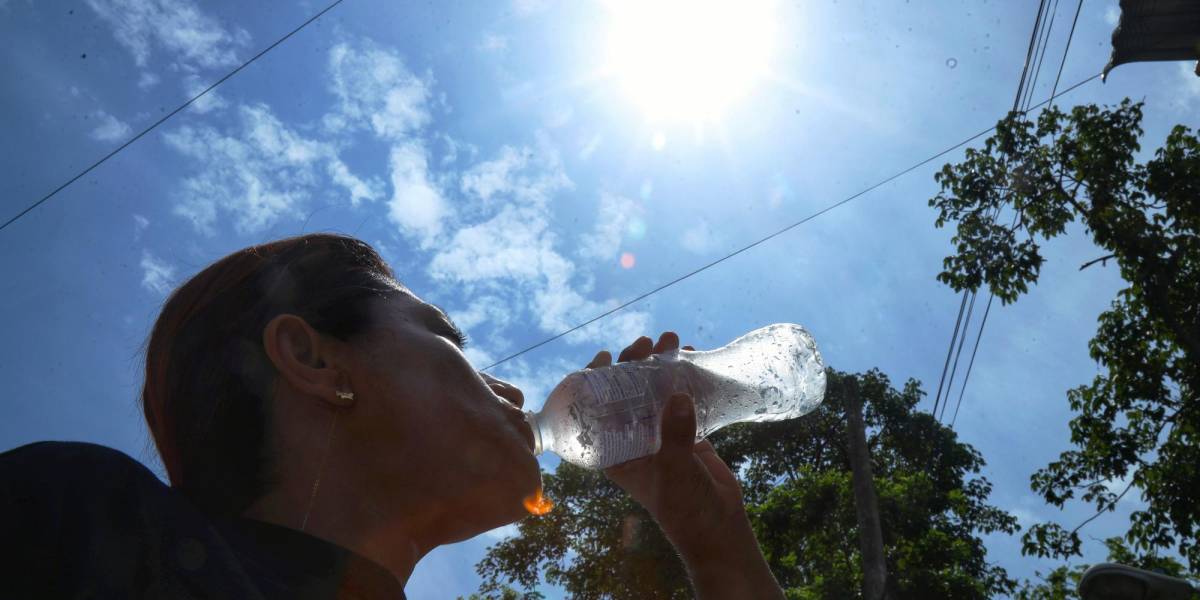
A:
x,y
678,426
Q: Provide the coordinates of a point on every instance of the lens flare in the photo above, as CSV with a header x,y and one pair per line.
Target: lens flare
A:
x,y
538,504
636,228
627,260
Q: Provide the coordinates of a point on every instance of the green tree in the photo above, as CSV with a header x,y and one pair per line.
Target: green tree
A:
x,y
1140,417
1063,582
795,475
505,593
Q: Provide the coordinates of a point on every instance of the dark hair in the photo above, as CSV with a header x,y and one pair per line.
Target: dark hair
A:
x,y
208,378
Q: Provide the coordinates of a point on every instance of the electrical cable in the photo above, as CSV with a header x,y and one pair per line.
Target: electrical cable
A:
x,y
1031,53
961,341
949,351
1070,36
168,116
1037,71
714,263
991,295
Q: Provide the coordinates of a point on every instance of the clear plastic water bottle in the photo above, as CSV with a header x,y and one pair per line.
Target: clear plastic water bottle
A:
x,y
597,418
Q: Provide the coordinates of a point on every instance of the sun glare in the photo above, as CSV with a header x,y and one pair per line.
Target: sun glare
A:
x,y
689,60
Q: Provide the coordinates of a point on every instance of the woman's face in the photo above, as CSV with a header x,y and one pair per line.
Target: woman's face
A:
x,y
433,429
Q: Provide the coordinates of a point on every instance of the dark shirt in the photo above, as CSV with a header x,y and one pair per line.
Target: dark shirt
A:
x,y
84,521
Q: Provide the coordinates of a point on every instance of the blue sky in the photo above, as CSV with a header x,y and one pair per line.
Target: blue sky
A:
x,y
501,163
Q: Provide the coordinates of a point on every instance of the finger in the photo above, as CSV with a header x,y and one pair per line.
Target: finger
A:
x,y
718,470
678,428
638,350
602,359
689,348
509,392
667,342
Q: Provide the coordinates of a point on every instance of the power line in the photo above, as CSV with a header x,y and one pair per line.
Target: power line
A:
x,y
949,351
1041,59
1016,217
962,340
1039,40
967,375
1030,54
1020,102
1070,36
718,261
168,116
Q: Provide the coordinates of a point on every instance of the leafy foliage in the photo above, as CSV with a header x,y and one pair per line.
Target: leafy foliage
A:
x,y
795,476
505,593
1141,418
1063,582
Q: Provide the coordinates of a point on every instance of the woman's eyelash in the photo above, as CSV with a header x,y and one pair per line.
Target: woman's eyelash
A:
x,y
459,338
453,333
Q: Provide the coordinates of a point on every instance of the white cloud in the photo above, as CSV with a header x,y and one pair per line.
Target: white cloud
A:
x,y
778,192
535,383
492,42
699,238
376,90
258,173
209,102
514,244
589,147
147,80
140,224
416,205
1116,486
1189,84
612,221
453,147
1112,14
157,275
1025,518
360,189
110,128
493,177
512,253
529,7
176,26
487,309
502,533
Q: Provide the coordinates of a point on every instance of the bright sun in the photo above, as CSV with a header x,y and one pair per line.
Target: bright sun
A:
x,y
689,60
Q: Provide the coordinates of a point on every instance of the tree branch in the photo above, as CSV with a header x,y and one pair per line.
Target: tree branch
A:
x,y
1110,507
1102,259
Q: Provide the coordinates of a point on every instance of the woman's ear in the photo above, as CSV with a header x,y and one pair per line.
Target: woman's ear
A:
x,y
300,358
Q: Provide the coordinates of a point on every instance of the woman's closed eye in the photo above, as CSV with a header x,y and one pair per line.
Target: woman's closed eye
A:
x,y
440,324
449,331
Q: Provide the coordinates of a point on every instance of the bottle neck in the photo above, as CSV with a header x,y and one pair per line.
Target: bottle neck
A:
x,y
535,423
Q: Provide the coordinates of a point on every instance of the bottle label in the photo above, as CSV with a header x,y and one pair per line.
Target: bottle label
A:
x,y
624,412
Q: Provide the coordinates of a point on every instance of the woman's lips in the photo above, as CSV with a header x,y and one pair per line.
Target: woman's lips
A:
x,y
518,416
526,429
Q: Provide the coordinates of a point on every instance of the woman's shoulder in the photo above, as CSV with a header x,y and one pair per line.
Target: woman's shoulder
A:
x,y
87,520
67,466
67,454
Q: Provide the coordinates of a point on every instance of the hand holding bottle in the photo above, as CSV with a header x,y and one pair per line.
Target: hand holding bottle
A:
x,y
694,497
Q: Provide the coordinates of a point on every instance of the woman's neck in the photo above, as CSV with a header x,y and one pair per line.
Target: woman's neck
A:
x,y
380,536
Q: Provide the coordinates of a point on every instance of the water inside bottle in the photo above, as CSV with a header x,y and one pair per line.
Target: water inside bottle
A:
x,y
597,418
